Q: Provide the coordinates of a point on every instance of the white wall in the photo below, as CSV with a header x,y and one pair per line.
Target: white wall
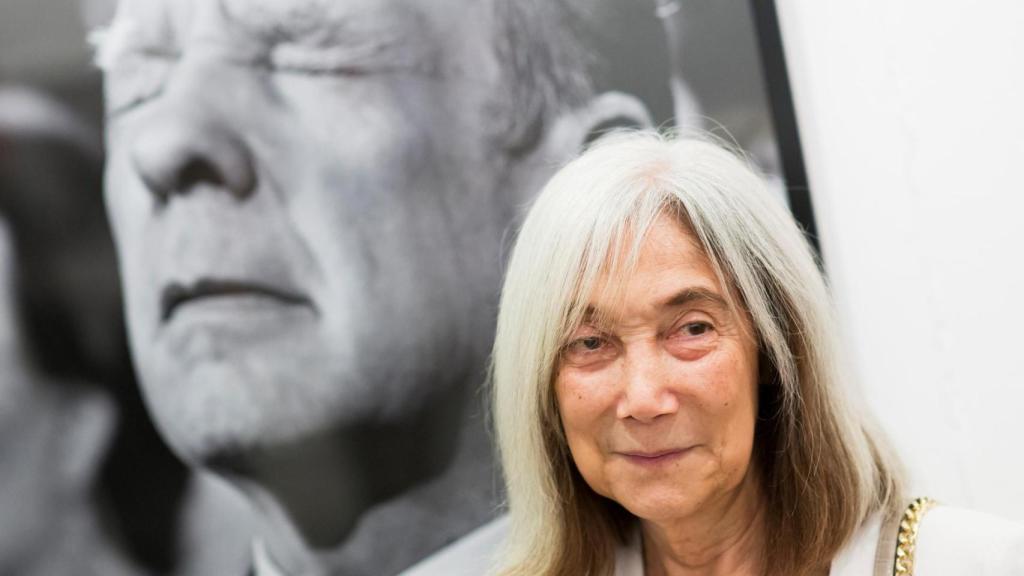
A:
x,y
912,120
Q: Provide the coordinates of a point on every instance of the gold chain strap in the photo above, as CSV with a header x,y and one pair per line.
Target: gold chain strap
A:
x,y
906,539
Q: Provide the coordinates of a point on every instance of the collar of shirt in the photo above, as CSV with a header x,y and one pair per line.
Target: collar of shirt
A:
x,y
629,559
262,564
856,557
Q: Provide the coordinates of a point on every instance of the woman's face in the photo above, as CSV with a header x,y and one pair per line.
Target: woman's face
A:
x,y
659,405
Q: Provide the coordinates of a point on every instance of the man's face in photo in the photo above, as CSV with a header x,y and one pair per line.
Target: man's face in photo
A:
x,y
304,199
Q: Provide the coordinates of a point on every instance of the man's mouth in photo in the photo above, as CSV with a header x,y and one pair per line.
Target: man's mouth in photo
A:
x,y
238,295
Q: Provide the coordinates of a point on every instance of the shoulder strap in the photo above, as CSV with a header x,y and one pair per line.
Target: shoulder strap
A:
x,y
897,539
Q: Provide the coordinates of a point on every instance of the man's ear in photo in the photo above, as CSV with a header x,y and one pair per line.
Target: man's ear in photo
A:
x,y
573,129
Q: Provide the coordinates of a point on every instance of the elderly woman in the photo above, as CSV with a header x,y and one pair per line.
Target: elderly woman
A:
x,y
669,397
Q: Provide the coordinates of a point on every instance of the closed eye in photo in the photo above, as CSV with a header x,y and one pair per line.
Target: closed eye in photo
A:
x,y
135,67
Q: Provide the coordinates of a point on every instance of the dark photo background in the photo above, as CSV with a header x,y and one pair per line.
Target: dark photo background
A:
x,y
68,326
702,65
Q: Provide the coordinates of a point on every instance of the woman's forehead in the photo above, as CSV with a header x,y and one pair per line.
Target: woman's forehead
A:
x,y
666,268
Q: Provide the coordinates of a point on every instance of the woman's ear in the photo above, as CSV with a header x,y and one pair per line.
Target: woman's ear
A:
x,y
572,130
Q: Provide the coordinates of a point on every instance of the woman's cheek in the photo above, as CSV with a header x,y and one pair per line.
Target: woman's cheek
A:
x,y
584,402
586,390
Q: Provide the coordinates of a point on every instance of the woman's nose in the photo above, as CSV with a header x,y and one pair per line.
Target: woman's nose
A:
x,y
647,393
187,144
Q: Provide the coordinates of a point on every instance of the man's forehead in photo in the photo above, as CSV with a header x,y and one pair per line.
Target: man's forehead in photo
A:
x,y
313,36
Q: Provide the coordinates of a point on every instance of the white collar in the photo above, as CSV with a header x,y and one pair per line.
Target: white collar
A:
x,y
629,557
856,557
262,564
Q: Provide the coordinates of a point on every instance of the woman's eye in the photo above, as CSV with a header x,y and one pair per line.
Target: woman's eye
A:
x,y
696,328
587,344
692,340
588,350
693,332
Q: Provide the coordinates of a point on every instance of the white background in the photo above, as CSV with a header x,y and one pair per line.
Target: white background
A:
x,y
912,120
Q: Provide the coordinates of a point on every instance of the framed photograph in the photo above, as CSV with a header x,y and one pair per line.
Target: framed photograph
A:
x,y
730,77
310,203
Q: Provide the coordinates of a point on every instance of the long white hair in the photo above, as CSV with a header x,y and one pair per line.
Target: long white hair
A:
x,y
824,466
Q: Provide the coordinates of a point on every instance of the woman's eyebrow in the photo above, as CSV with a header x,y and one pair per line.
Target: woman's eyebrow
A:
x,y
692,295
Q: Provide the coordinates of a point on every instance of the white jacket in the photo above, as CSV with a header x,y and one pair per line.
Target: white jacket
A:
x,y
950,542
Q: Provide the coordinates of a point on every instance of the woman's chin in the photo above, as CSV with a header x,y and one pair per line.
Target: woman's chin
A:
x,y
659,505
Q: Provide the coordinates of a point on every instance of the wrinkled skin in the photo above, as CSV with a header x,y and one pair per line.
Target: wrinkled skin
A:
x,y
659,408
309,203
299,250
666,397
